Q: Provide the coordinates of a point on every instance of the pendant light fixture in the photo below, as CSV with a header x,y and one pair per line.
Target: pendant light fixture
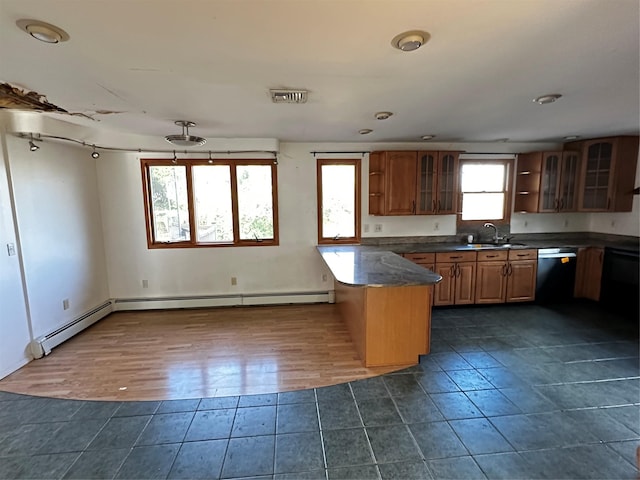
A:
x,y
185,140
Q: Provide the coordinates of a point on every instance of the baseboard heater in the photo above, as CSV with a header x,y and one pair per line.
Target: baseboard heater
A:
x,y
42,346
285,298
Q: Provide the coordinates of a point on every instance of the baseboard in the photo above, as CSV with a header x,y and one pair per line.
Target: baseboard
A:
x,y
42,345
284,298
12,368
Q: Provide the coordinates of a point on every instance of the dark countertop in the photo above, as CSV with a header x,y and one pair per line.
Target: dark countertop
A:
x,y
356,265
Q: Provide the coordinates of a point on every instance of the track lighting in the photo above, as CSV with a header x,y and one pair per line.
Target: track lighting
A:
x,y
210,159
32,146
95,154
175,158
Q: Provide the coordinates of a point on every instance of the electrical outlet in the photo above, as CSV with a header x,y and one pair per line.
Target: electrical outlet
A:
x,y
65,304
11,249
366,228
234,281
145,283
377,227
526,224
436,226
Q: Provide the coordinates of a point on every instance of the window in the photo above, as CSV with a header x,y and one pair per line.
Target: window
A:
x,y
485,191
338,201
194,203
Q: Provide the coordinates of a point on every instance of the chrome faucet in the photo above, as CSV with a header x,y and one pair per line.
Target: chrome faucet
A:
x,y
496,238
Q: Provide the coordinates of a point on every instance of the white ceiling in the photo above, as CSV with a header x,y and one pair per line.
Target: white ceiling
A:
x,y
213,62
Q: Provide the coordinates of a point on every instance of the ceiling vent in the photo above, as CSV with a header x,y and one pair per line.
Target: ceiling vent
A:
x,y
289,96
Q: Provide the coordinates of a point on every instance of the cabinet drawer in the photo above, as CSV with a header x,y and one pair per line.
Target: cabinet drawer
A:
x,y
530,254
455,257
492,255
421,257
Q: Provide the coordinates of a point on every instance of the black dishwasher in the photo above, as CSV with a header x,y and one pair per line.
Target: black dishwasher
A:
x,y
620,271
556,274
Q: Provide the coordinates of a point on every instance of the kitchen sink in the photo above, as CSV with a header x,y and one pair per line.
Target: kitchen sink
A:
x,y
480,246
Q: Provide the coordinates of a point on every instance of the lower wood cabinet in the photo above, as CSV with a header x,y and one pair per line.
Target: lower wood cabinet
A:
x,y
487,276
589,273
458,271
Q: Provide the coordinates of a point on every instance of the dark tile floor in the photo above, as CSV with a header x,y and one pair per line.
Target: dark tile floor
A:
x,y
520,391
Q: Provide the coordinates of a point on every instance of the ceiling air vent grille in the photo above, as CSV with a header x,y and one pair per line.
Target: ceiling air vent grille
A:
x,y
289,96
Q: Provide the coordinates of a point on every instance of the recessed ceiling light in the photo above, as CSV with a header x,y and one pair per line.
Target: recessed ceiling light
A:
x,y
544,99
572,137
410,41
45,32
427,137
383,115
365,131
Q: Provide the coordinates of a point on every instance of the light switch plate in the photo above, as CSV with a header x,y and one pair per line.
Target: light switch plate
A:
x,y
11,249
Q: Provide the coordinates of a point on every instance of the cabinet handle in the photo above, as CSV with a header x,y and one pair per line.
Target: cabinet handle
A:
x,y
608,203
457,270
452,271
492,256
509,270
413,207
522,254
433,208
455,257
504,270
562,203
439,205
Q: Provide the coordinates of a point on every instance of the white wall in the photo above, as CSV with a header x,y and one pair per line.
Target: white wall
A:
x,y
60,229
14,324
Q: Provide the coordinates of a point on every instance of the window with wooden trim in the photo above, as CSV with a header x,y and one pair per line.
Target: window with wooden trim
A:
x,y
338,201
195,203
485,187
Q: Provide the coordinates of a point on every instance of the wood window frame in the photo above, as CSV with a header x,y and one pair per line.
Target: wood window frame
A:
x,y
357,163
188,164
508,192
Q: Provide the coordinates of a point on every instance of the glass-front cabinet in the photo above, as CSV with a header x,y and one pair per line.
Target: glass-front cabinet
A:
x,y
437,183
559,180
599,163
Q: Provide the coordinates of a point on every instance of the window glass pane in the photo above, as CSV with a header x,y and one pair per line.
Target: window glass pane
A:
x,y
169,203
338,201
212,191
479,177
482,206
255,202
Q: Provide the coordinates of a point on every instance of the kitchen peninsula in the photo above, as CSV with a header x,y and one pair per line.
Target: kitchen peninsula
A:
x,y
385,301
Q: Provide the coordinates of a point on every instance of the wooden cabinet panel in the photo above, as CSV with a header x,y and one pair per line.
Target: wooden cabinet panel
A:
x,y
421,258
524,254
491,281
377,170
447,189
443,291
465,283
608,174
558,182
427,183
401,183
456,257
521,284
589,273
492,255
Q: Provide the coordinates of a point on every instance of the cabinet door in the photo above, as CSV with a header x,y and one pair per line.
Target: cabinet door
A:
x,y
465,283
427,182
401,171
491,282
597,176
443,291
550,182
446,199
521,281
589,273
569,182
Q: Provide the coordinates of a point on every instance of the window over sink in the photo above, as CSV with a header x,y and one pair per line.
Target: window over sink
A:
x,y
485,187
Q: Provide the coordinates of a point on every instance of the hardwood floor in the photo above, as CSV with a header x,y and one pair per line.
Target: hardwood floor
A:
x,y
180,354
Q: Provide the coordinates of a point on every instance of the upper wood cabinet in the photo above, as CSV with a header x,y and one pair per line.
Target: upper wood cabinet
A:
x,y
437,183
608,174
413,183
559,181
528,171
